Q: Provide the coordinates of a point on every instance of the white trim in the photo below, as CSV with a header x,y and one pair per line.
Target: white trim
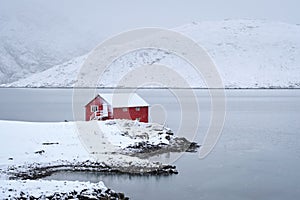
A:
x,y
105,110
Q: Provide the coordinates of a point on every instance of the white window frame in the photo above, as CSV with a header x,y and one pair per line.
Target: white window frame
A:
x,y
125,109
137,108
94,106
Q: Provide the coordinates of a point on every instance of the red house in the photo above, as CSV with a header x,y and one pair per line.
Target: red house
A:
x,y
117,106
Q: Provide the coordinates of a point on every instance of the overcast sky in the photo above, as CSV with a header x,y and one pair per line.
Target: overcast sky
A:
x,y
119,15
76,26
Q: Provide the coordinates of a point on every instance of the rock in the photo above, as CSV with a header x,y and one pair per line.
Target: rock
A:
x,y
39,152
193,147
121,195
169,132
49,143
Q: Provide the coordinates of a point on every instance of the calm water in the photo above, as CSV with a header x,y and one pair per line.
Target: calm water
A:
x,y
257,157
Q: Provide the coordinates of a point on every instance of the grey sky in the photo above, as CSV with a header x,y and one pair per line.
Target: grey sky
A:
x,y
119,15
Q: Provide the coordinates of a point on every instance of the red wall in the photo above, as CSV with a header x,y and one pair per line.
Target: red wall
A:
x,y
96,101
118,113
132,113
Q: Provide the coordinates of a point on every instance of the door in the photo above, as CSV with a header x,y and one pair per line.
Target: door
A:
x,y
105,110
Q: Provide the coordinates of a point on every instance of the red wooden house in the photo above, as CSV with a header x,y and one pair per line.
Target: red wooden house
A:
x,y
117,106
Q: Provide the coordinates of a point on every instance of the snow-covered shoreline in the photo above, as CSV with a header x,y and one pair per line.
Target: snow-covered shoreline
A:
x,y
29,146
32,150
43,189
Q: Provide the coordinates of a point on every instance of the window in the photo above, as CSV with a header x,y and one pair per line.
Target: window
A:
x,y
94,108
137,119
125,109
137,108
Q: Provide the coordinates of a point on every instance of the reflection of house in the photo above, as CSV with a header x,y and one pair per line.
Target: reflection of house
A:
x,y
117,106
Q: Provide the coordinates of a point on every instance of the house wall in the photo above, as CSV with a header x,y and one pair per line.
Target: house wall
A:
x,y
132,113
96,101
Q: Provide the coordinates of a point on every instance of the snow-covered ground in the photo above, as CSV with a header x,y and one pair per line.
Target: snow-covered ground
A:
x,y
29,189
134,132
30,146
33,142
247,53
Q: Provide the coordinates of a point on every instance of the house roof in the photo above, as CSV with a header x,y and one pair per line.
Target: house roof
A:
x,y
124,100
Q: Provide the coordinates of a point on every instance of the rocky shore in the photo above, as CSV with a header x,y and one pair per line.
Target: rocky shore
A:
x,y
145,150
36,170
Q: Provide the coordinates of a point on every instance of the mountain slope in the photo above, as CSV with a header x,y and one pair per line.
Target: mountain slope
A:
x,y
248,54
33,39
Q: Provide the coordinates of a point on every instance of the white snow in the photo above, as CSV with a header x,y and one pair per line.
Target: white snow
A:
x,y
124,133
247,53
20,142
79,141
120,100
38,188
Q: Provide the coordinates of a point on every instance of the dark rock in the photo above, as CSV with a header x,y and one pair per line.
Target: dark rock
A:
x,y
169,132
39,152
193,147
49,143
121,195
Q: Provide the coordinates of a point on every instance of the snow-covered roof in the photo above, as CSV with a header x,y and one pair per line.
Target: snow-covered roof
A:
x,y
121,100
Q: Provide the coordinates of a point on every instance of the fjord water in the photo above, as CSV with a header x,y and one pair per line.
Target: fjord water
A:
x,y
257,156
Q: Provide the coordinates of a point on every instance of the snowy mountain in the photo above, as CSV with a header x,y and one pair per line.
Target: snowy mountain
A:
x,y
248,54
33,39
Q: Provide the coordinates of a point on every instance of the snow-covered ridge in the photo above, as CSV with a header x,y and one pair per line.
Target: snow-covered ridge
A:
x,y
247,53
